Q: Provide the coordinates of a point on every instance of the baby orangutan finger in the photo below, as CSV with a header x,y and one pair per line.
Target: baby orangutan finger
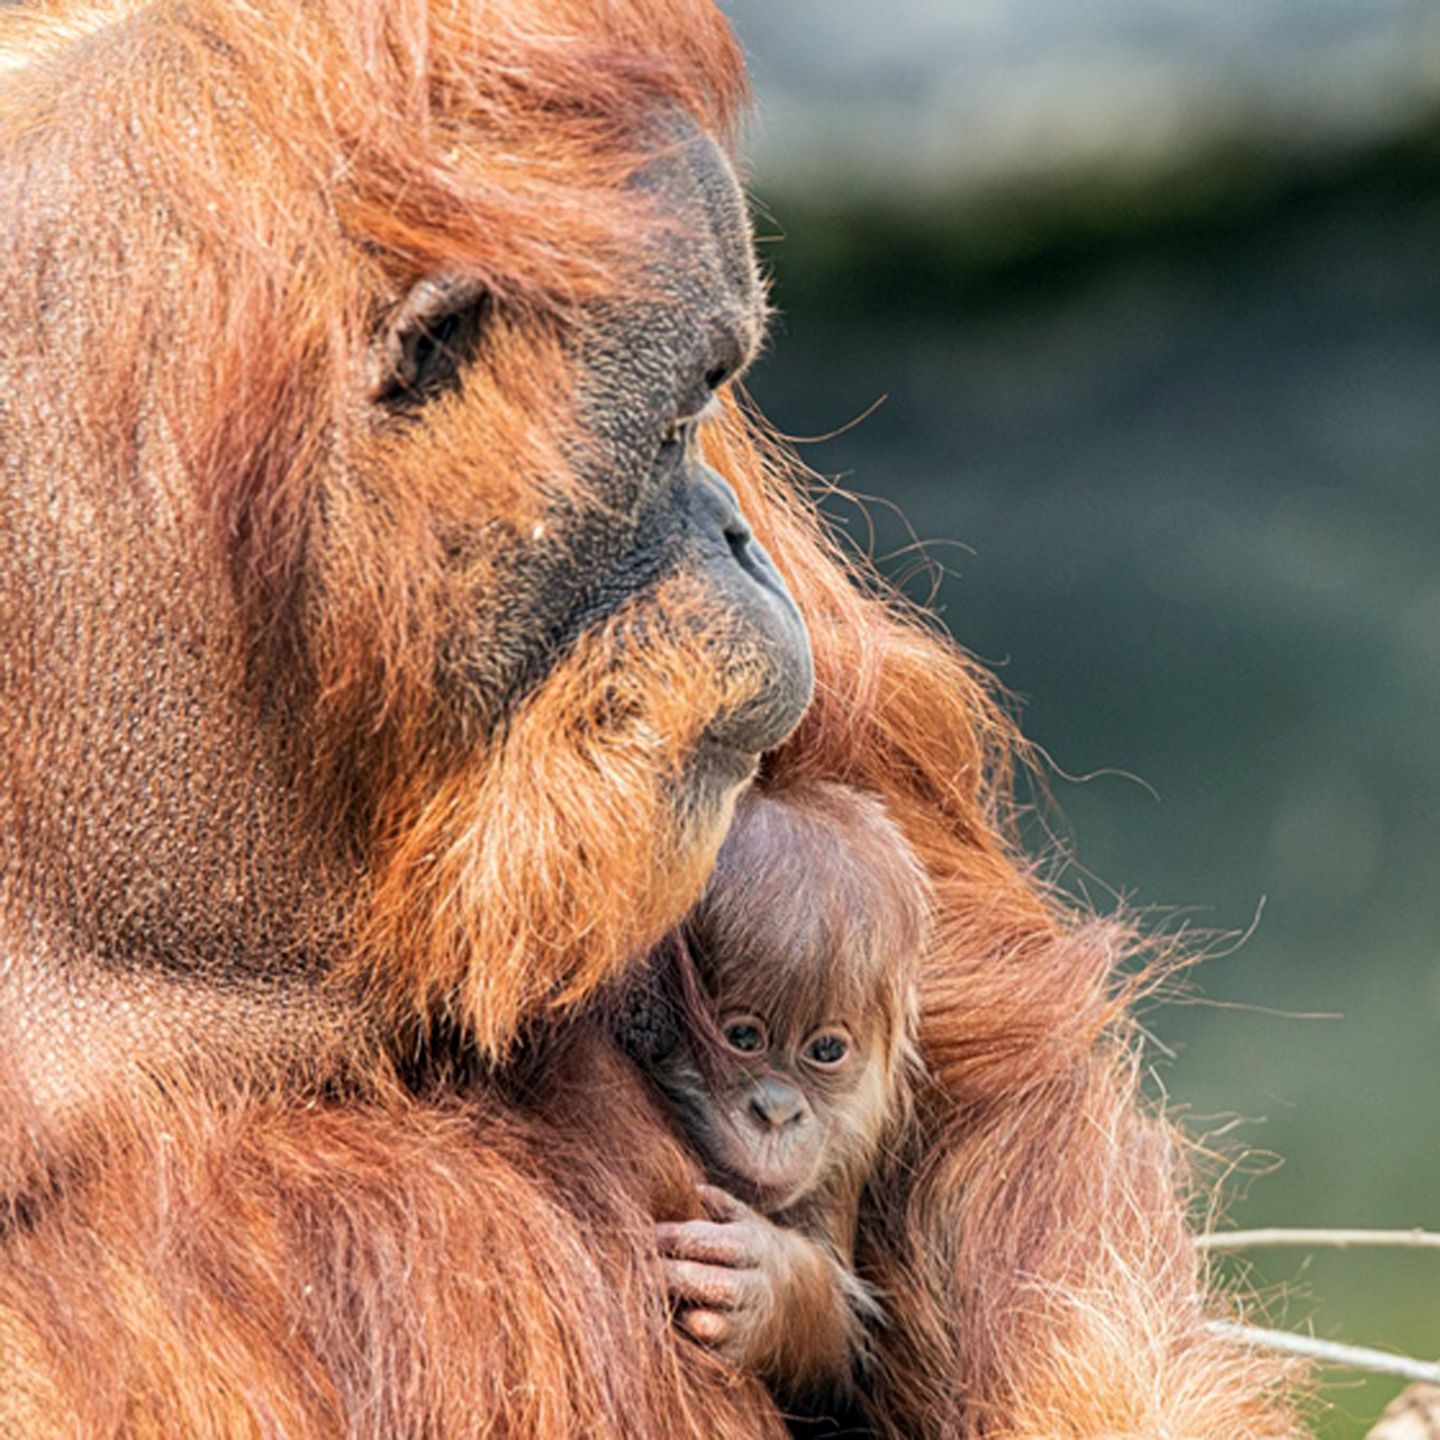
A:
x,y
710,1286
710,1327
735,1245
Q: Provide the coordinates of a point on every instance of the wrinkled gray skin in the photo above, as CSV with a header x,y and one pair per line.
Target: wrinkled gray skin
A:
x,y
160,894
643,368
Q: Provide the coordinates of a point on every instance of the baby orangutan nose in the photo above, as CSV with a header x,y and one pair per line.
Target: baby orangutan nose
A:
x,y
775,1104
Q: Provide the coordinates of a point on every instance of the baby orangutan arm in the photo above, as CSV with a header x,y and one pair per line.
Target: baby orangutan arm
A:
x,y
770,1300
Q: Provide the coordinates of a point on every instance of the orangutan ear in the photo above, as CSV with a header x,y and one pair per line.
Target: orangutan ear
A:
x,y
646,1011
426,340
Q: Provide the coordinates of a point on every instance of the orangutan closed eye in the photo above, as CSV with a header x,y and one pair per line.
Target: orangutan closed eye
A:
x,y
787,1075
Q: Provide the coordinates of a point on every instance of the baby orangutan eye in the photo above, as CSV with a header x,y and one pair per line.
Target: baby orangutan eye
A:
x,y
747,1035
827,1050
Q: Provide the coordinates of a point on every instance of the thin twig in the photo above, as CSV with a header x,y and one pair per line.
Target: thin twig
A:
x,y
1328,1352
1317,1239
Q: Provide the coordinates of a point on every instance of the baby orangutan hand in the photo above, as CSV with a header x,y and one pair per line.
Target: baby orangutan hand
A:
x,y
767,1299
724,1273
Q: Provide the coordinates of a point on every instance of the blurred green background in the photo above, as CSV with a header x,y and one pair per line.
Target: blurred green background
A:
x,y
1151,290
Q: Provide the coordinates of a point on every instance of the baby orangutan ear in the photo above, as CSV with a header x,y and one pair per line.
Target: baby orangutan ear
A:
x,y
427,340
647,1017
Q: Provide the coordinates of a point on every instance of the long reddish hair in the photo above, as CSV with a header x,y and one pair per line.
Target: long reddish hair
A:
x,y
1031,1240
285,172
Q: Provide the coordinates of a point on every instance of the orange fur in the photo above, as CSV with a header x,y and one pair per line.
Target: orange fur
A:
x,y
497,918
1028,1241
383,1270
206,209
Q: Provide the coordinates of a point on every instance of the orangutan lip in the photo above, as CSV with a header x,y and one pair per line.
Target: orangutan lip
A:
x,y
764,1197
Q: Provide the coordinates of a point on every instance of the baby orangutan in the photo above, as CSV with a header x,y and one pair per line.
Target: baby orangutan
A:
x,y
786,1074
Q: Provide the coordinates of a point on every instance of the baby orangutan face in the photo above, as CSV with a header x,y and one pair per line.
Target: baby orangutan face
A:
x,y
800,955
775,1101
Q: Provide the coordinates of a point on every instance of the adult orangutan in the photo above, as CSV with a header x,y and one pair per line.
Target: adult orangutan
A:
x,y
381,653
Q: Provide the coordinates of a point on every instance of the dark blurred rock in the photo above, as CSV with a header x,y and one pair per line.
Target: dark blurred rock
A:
x,y
918,93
